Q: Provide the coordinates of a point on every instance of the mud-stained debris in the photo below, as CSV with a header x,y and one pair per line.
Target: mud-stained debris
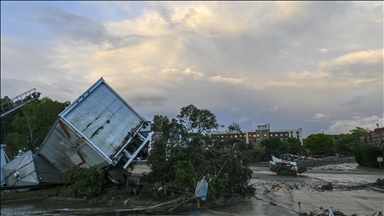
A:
x,y
328,186
329,212
380,182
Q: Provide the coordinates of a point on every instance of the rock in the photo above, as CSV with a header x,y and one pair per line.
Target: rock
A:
x,y
328,186
380,182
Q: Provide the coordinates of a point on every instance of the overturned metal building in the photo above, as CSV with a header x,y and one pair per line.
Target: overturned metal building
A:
x,y
99,129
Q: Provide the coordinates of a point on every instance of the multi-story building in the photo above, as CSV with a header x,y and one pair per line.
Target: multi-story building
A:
x,y
247,137
254,137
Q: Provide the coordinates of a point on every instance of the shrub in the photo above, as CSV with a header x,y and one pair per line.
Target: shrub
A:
x,y
185,175
84,181
367,156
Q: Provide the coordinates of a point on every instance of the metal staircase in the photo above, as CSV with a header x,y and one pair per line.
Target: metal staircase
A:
x,y
19,101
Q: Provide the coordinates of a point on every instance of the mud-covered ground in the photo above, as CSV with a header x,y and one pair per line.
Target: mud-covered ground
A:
x,y
345,187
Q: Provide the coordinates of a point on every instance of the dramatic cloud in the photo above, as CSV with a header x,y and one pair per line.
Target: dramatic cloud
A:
x,y
365,57
320,116
70,26
344,126
243,119
226,80
287,64
354,98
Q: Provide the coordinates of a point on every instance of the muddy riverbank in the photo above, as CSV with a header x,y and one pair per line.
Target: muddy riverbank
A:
x,y
344,187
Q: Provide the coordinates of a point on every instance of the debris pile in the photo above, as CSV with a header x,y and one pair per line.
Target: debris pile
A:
x,y
286,165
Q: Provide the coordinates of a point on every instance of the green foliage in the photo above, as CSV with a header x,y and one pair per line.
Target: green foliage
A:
x,y
353,144
367,156
246,150
359,131
319,144
274,146
200,121
296,146
33,124
256,155
84,181
234,128
185,175
346,144
185,153
7,132
216,188
160,123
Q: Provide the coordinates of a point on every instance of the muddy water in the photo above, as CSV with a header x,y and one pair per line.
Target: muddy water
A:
x,y
275,195
242,206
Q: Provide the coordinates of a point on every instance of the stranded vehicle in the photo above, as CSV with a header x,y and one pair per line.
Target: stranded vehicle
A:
x,y
286,165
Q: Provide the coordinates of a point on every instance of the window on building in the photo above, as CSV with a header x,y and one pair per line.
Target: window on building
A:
x,y
235,136
265,134
281,135
258,135
254,135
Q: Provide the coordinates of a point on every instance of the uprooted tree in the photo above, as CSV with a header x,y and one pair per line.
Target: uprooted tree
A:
x,y
184,154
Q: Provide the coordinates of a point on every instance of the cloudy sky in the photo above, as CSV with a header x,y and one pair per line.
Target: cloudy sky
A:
x,y
310,65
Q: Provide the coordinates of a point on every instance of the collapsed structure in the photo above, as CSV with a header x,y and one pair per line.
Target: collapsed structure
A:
x,y
286,165
99,129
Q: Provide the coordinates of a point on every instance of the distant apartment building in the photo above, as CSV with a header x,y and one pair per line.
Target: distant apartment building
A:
x,y
247,137
254,137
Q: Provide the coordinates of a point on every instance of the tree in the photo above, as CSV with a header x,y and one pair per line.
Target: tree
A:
x,y
359,131
234,128
356,133
274,146
32,126
6,123
319,144
199,121
159,122
346,144
175,164
296,146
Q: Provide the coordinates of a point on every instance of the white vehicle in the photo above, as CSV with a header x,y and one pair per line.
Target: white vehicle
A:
x,y
285,165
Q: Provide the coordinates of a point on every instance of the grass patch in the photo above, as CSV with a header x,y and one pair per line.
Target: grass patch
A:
x,y
41,193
